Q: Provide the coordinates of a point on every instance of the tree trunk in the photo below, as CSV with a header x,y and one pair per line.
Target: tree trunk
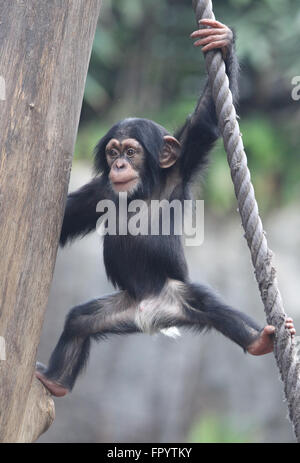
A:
x,y
45,51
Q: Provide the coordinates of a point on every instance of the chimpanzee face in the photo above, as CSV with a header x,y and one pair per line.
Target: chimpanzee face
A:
x,y
126,160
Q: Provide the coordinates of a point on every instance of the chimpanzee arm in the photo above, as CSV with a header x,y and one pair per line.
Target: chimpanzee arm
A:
x,y
200,131
80,214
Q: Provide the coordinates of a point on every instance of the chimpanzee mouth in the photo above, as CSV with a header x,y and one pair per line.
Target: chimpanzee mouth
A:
x,y
125,186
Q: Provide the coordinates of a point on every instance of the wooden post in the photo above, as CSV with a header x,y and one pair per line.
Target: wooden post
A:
x,y
45,51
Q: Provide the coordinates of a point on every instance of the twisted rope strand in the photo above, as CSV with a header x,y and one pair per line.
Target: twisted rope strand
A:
x,y
284,346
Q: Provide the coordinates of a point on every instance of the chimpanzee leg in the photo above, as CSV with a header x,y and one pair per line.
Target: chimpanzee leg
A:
x,y
204,309
95,319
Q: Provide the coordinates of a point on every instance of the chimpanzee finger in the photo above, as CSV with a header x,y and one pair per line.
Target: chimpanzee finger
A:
x,y
211,23
206,32
210,39
214,45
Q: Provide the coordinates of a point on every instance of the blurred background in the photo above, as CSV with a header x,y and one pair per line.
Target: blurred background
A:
x,y
197,388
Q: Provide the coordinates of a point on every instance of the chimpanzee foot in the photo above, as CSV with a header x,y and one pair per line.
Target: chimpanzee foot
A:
x,y
265,344
56,389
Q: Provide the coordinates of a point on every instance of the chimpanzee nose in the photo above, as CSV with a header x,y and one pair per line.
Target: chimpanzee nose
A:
x,y
120,164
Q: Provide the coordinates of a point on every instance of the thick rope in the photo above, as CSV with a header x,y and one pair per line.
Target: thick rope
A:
x,y
284,347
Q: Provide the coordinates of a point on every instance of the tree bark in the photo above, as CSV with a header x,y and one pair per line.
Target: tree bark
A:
x,y
45,51
39,413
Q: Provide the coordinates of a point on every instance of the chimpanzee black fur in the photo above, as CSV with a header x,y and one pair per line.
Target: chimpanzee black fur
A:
x,y
155,292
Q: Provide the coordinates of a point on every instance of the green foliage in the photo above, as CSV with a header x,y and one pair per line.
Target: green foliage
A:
x,y
87,139
218,188
212,428
143,64
268,150
268,32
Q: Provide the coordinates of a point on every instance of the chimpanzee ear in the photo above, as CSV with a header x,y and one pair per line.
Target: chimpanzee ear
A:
x,y
170,152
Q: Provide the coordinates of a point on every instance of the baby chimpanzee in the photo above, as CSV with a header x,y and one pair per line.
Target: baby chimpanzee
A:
x,y
140,159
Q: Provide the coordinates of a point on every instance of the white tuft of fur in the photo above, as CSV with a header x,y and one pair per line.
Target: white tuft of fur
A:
x,y
168,303
172,332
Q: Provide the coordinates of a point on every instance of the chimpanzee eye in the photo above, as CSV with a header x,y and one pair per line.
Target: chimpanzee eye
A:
x,y
113,153
130,152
